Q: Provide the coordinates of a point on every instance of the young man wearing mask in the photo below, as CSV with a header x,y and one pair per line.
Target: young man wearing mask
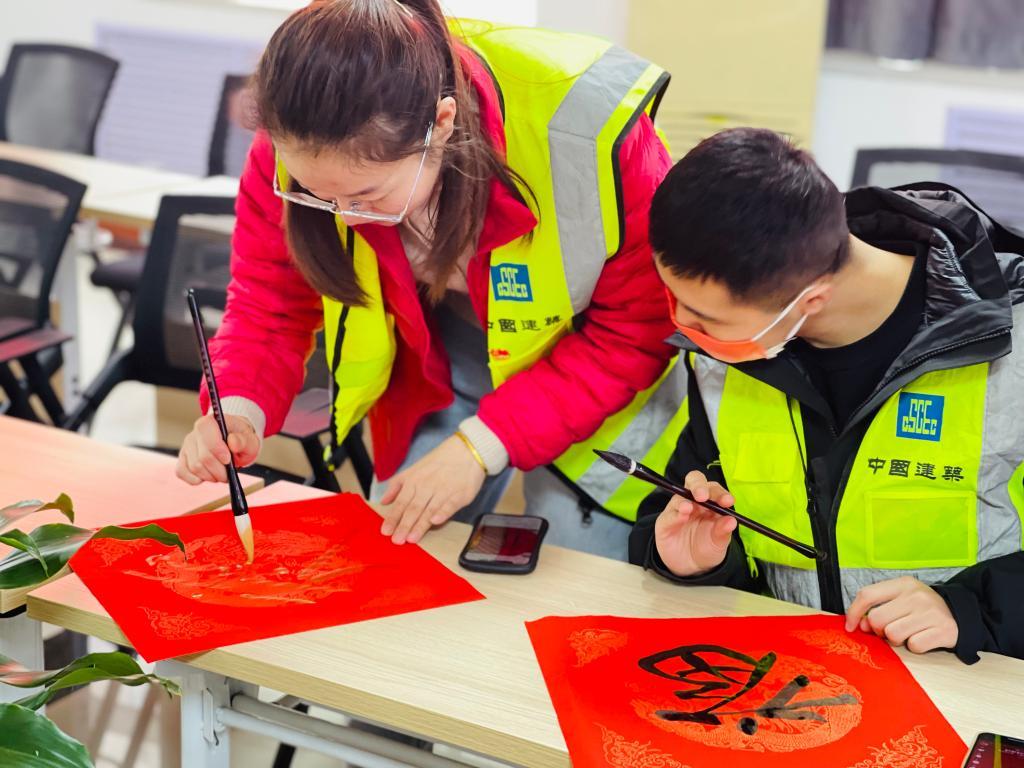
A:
x,y
856,367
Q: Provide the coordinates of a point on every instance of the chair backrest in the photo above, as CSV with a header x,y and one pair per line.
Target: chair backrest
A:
x,y
37,210
234,128
993,181
190,247
52,96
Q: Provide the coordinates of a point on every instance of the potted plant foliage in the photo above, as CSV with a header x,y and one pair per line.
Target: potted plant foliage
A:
x,y
28,739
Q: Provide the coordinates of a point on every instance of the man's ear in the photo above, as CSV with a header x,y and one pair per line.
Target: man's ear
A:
x,y
818,297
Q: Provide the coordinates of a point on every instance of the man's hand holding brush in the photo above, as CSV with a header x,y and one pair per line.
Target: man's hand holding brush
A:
x,y
691,539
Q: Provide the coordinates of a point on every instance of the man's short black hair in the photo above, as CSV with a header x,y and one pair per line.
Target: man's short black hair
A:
x,y
749,210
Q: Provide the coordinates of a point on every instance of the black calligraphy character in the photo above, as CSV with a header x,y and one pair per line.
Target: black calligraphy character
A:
x,y
726,682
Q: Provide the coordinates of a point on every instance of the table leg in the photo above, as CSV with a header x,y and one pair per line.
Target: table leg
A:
x,y
170,733
205,742
21,638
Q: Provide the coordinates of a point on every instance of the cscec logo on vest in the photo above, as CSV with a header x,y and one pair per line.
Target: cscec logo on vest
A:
x,y
919,417
511,282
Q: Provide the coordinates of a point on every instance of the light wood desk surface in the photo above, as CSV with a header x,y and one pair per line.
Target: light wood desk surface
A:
x,y
279,493
104,179
139,208
467,675
109,484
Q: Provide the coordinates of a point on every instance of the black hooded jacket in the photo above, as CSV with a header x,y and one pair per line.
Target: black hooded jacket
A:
x,y
974,277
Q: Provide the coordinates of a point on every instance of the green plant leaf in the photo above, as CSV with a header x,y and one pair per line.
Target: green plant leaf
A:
x,y
16,511
85,676
63,505
28,503
23,542
29,740
22,509
56,543
13,673
151,531
91,668
114,663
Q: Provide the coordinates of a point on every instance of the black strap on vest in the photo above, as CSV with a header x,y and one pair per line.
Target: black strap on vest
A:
x,y
332,384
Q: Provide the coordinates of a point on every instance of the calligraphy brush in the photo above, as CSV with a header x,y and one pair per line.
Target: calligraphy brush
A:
x,y
639,471
239,506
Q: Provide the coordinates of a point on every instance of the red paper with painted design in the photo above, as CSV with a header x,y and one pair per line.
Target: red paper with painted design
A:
x,y
319,563
764,692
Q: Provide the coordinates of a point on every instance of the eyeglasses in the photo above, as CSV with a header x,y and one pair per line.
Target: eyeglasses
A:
x,y
311,201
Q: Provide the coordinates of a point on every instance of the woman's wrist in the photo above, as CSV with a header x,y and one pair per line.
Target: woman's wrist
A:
x,y
472,449
236,405
491,452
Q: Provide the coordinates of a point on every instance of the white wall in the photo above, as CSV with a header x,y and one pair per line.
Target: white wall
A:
x,y
74,21
522,12
862,103
174,54
605,18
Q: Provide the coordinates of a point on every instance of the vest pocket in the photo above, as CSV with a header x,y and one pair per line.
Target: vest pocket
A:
x,y
764,457
919,530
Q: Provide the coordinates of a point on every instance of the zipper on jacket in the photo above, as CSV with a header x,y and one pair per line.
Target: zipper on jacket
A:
x,y
823,533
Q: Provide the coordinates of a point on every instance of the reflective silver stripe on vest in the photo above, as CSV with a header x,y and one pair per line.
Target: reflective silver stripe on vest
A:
x,y
572,137
601,480
1002,452
710,377
796,585
1002,449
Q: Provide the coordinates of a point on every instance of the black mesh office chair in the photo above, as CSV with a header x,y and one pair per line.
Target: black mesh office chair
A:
x,y
37,210
191,248
232,136
233,129
52,96
993,181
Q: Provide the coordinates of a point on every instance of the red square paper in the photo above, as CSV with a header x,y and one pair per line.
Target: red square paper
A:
x,y
318,563
764,692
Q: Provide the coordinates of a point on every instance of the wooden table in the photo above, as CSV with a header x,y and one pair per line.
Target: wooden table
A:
x,y
139,208
115,192
104,179
466,674
109,485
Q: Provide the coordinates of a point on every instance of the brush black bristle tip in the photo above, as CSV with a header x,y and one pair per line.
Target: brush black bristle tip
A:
x,y
615,459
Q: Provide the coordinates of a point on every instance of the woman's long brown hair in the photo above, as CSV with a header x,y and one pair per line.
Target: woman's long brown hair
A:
x,y
365,76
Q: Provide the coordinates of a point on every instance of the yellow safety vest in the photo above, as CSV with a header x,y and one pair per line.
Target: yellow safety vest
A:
x,y
568,101
936,484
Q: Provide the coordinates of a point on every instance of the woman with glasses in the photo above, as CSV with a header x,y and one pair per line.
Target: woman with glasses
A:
x,y
463,208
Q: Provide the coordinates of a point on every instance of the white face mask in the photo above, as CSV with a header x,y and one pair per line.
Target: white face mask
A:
x,y
774,351
743,350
